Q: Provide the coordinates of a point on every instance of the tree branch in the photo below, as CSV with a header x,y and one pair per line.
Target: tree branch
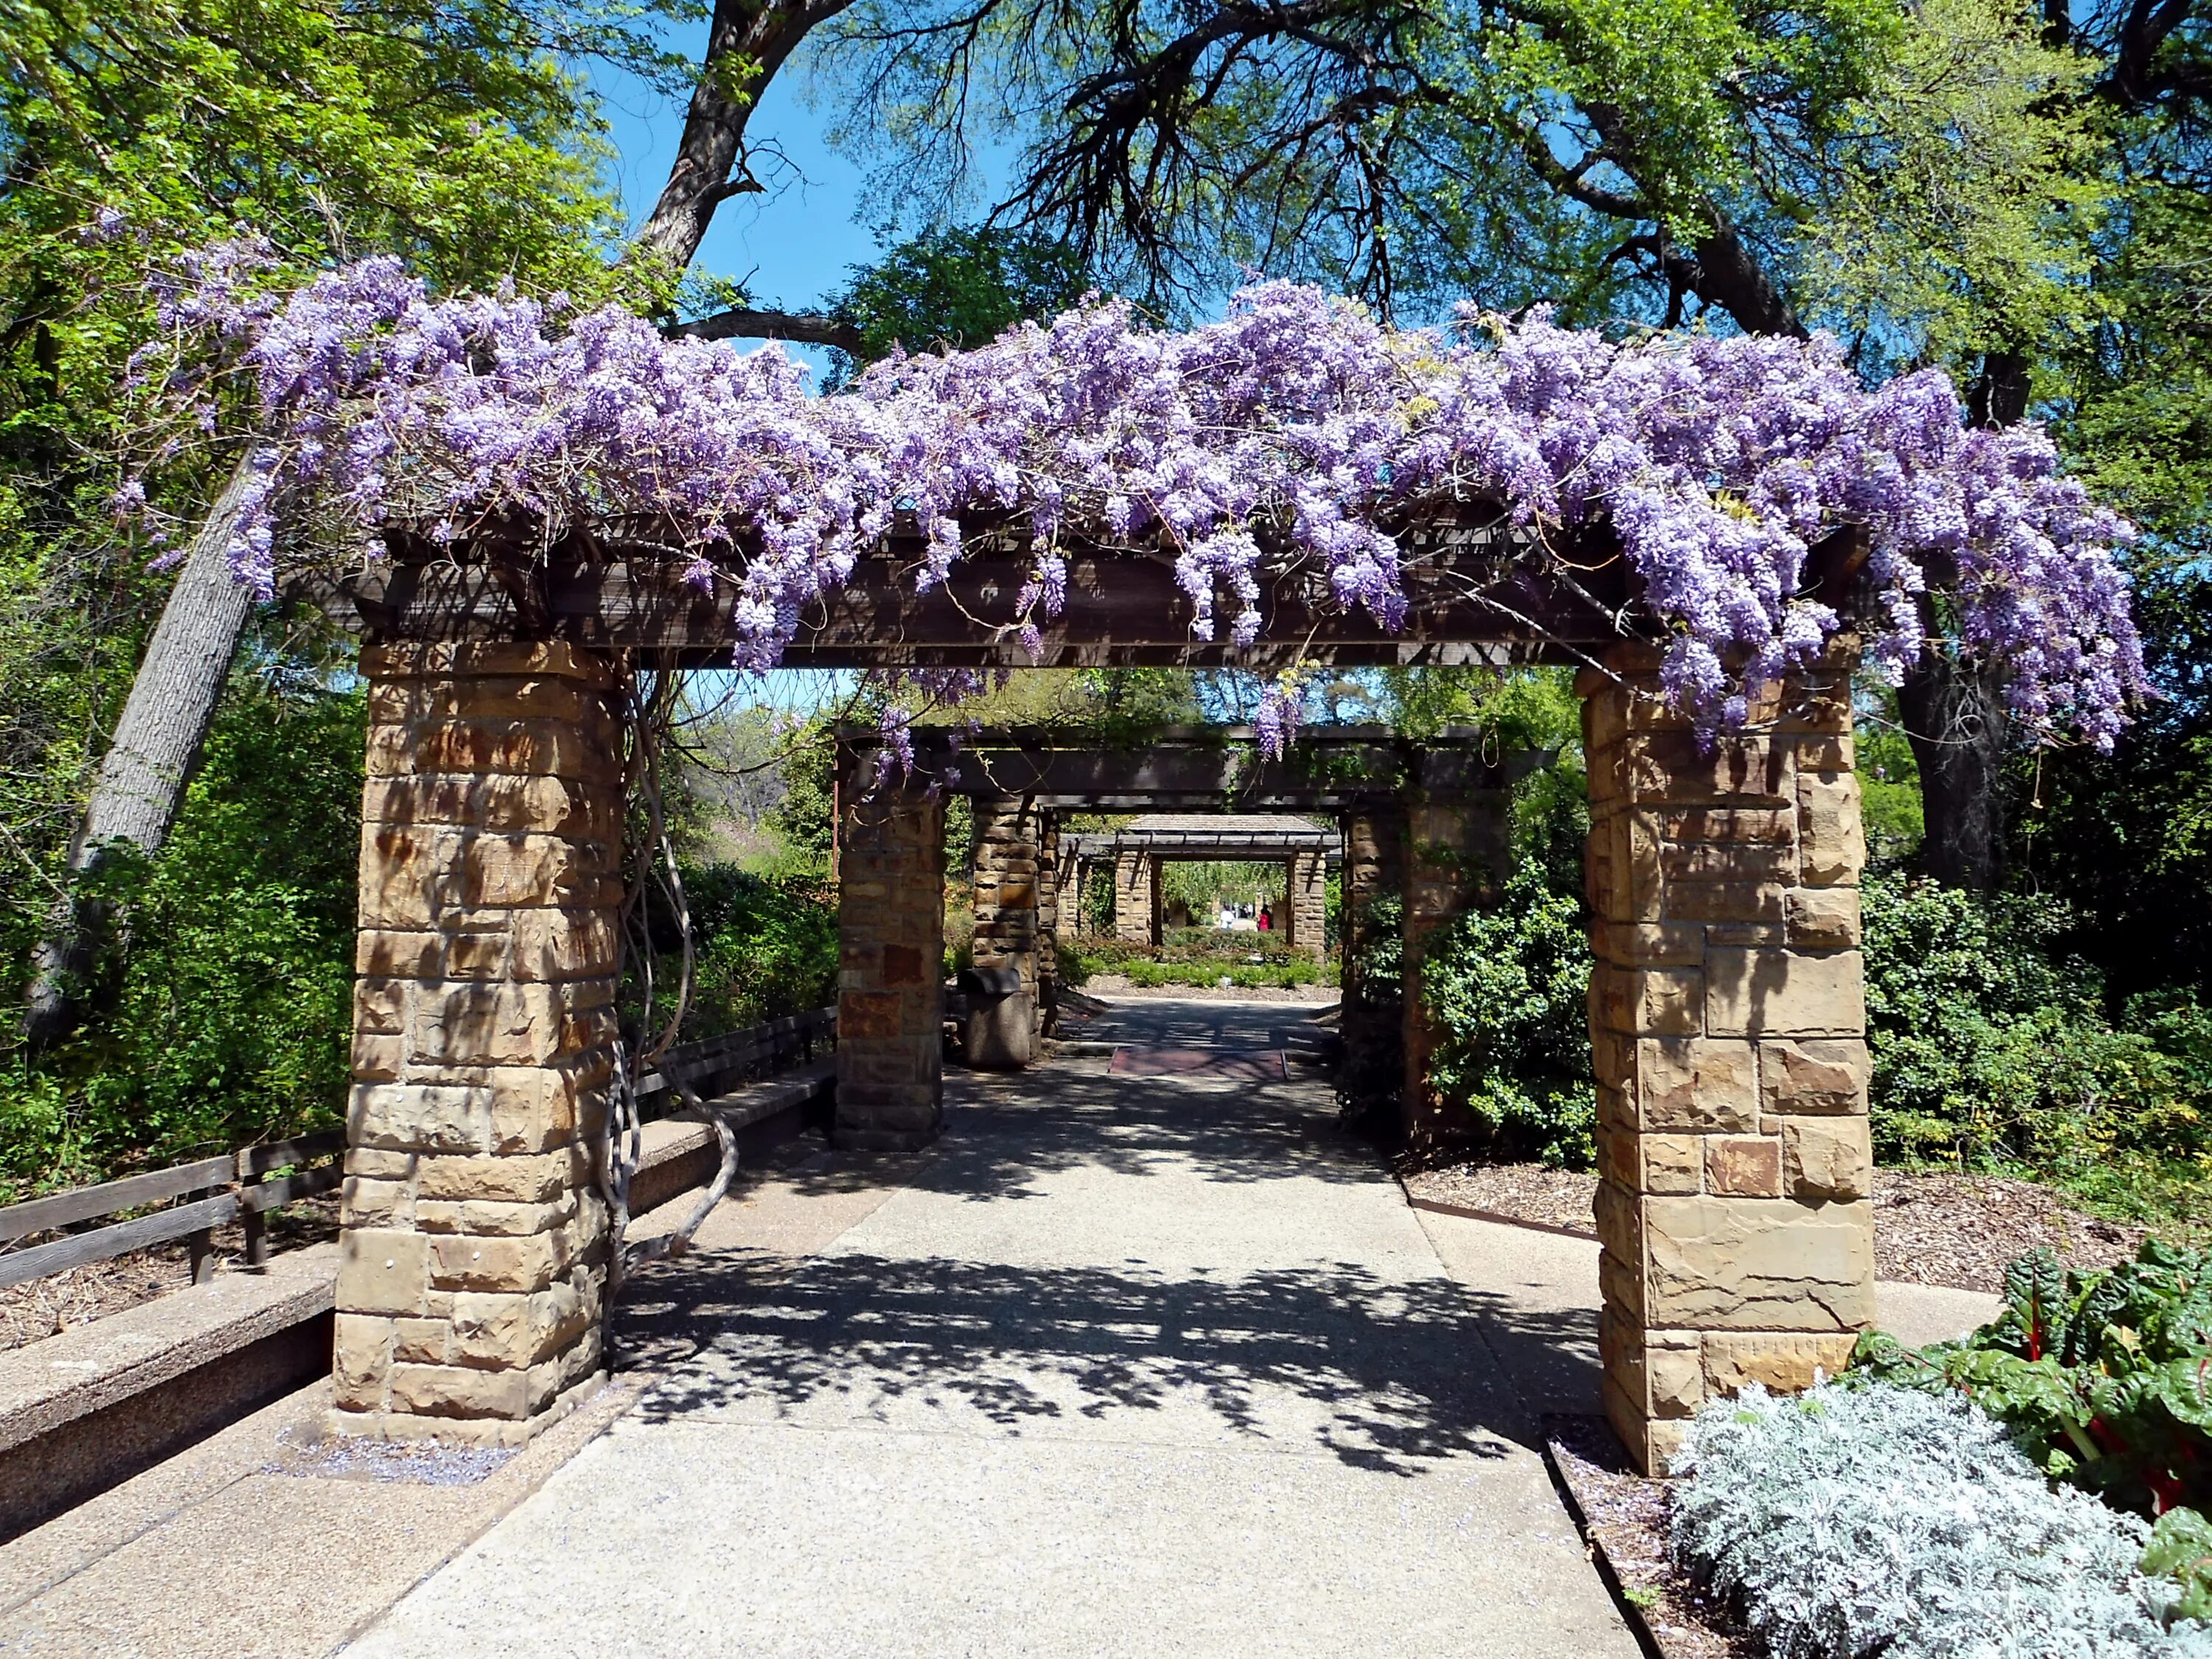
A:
x,y
743,323
746,43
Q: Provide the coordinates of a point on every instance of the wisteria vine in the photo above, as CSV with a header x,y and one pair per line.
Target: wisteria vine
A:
x,y
1718,462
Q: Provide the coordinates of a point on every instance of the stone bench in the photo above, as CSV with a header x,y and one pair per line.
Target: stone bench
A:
x,y
85,1410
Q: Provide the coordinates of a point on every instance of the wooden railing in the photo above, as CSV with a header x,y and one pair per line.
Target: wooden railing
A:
x,y
216,1190
714,1064
252,1183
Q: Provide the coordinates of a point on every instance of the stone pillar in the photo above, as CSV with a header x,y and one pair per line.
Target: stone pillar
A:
x,y
1048,888
891,975
1728,1025
1457,846
1136,899
1305,904
474,1244
1008,890
1370,1015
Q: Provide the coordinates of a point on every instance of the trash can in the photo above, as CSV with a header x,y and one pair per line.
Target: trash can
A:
x,y
999,1033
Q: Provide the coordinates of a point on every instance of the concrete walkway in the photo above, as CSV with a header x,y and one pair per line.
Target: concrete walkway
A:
x,y
1129,1365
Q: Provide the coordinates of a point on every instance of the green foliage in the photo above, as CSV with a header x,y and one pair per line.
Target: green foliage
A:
x,y
231,974
957,287
1965,186
1195,956
451,133
1889,792
767,946
1202,885
2126,839
1507,984
1989,1044
2104,1378
2180,1549
806,815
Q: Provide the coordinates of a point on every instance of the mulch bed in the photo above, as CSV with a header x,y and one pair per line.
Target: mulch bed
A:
x,y
1933,1229
1623,1518
46,1307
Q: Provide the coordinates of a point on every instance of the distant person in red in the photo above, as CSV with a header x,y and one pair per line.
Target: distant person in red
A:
x,y
1267,920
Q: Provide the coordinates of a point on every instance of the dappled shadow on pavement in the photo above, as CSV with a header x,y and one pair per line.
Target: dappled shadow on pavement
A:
x,y
1384,1374
1392,1368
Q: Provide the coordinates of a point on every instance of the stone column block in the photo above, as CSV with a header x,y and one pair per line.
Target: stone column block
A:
x,y
891,987
1728,1026
483,1023
1136,899
1305,904
1012,880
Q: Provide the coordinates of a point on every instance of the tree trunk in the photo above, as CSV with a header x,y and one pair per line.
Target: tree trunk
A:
x,y
134,800
1953,717
747,42
1956,727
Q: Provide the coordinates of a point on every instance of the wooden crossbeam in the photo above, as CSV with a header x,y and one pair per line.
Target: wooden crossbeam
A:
x,y
1480,592
1327,769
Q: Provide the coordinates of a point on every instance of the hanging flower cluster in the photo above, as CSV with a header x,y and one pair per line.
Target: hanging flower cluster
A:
x,y
1717,463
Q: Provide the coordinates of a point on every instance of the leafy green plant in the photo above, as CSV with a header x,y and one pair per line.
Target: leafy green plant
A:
x,y
227,994
1195,956
1989,1044
2104,1378
1507,983
2180,1549
768,946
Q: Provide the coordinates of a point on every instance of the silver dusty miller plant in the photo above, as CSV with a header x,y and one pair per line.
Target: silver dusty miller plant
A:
x,y
1861,1522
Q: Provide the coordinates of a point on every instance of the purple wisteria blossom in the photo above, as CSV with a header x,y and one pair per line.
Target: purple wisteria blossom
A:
x,y
1296,422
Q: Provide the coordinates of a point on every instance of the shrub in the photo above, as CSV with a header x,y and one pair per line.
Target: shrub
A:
x,y
1856,1521
1508,985
768,946
223,1008
1986,1043
2103,1377
1193,956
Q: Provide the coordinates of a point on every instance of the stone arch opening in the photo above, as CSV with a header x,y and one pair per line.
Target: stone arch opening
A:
x,y
1726,1016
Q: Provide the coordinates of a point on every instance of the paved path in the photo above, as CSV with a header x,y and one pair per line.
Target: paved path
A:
x,y
1127,1366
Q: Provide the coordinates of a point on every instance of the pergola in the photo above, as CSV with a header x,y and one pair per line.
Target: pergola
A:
x,y
1727,1019
1136,852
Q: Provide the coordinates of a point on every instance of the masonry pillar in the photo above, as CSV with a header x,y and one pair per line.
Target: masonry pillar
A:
x,y
1371,1011
1009,906
1457,846
890,991
1047,913
1136,899
474,1241
1305,904
1727,1026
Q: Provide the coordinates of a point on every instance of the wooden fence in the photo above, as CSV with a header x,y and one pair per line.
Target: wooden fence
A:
x,y
252,1182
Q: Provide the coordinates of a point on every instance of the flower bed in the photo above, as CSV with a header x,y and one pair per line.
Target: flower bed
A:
x,y
1854,1521
1196,957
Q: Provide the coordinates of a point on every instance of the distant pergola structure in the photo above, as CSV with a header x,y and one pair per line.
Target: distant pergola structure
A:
x,y
1136,852
1727,1019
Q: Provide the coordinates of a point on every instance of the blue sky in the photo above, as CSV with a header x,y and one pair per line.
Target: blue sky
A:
x,y
797,243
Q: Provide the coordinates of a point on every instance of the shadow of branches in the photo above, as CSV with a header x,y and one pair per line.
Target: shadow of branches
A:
x,y
1385,1374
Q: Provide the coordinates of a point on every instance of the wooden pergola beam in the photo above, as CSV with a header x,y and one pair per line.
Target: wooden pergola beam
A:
x,y
1480,591
1326,769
